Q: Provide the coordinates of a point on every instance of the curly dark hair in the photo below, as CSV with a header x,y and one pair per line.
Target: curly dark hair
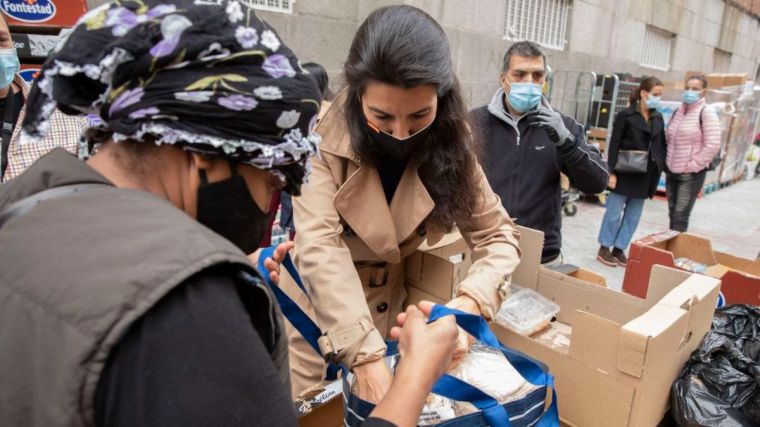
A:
x,y
404,46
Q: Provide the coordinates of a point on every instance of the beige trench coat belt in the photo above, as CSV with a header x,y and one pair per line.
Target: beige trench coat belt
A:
x,y
332,343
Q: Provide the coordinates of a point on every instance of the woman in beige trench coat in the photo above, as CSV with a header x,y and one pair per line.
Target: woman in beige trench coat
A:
x,y
398,166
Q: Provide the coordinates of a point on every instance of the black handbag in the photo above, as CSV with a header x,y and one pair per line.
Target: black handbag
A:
x,y
632,161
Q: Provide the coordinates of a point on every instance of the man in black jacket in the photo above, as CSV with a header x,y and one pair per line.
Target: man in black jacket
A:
x,y
528,144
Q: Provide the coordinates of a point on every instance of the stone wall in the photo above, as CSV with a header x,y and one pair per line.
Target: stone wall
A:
x,y
604,36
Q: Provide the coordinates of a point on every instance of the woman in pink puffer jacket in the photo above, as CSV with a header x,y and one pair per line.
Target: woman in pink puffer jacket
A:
x,y
693,140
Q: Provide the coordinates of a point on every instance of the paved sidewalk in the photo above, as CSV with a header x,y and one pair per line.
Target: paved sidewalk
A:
x,y
729,217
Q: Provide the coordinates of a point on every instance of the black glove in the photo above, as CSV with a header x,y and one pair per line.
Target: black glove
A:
x,y
551,122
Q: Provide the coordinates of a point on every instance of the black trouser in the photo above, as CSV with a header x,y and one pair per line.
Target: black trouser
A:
x,y
682,190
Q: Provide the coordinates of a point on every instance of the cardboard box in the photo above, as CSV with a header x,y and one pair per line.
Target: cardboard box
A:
x,y
581,274
323,410
42,13
438,268
715,81
740,277
598,138
614,356
734,79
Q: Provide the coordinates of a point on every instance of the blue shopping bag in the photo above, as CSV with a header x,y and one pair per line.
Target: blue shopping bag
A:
x,y
530,410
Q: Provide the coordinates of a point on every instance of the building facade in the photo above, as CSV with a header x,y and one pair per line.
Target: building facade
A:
x,y
664,38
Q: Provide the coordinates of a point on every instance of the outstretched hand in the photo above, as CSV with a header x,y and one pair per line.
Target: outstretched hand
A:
x,y
274,262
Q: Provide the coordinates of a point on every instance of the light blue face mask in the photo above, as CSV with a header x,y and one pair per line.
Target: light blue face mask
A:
x,y
653,102
690,96
524,97
9,66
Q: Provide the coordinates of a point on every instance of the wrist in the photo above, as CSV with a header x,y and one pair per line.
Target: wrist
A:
x,y
465,303
368,367
417,379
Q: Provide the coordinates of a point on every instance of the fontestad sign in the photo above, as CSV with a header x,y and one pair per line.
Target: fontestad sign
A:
x,y
29,10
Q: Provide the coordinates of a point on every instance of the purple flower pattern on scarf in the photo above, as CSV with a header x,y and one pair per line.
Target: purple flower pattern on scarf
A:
x,y
238,102
122,19
171,28
143,112
277,66
126,99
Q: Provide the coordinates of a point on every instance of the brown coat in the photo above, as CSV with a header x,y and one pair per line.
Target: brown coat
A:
x,y
347,231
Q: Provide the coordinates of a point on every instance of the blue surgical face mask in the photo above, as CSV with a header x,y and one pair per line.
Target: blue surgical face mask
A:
x,y
9,66
653,101
524,97
690,96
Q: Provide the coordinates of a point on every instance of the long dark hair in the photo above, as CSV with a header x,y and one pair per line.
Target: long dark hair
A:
x,y
404,46
646,85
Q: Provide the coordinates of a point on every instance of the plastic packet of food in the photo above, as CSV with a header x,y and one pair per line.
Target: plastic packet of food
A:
x,y
690,265
489,370
526,312
437,409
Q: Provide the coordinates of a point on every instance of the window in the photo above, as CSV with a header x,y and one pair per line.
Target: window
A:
x,y
721,61
657,47
282,6
540,21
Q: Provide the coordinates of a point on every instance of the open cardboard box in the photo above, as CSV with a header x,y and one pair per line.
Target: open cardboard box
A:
x,y
323,410
434,270
619,354
740,276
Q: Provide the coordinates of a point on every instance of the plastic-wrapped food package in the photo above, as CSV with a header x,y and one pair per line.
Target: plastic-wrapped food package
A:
x,y
690,265
488,369
437,409
526,312
485,368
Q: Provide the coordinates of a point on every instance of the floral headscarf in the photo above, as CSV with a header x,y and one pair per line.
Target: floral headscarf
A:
x,y
207,75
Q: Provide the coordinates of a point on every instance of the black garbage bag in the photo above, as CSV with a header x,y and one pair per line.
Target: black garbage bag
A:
x,y
720,383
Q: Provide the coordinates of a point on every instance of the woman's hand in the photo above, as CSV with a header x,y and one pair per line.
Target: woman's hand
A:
x,y
464,340
426,349
372,380
273,263
613,182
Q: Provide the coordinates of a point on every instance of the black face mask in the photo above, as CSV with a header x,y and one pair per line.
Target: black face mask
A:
x,y
227,208
395,148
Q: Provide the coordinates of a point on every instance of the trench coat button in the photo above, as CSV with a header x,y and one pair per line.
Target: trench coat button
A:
x,y
382,308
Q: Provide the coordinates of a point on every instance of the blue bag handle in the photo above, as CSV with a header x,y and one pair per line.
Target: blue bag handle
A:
x,y
303,324
531,370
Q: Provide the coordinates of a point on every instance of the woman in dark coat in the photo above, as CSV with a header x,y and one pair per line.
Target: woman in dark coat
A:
x,y
637,128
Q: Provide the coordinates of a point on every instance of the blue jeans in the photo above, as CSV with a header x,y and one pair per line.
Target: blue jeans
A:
x,y
620,220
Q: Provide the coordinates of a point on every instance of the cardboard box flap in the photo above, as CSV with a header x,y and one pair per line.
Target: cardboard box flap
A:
x,y
693,290
635,336
754,268
573,294
662,280
531,246
594,341
693,247
731,262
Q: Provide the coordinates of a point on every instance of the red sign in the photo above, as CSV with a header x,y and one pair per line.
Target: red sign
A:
x,y
42,13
